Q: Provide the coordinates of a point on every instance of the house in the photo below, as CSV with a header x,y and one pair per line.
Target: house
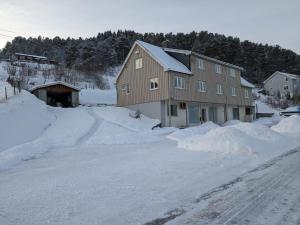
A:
x,y
33,58
282,84
182,88
57,94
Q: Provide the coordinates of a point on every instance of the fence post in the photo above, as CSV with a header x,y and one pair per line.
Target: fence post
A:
x,y
5,92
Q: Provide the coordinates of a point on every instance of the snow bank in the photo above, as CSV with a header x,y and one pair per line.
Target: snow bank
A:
x,y
192,131
238,138
262,107
97,96
22,118
289,126
269,121
231,123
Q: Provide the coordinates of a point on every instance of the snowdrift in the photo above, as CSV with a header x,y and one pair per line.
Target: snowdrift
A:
x,y
289,126
97,96
238,138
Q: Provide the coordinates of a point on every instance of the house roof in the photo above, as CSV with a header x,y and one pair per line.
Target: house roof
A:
x,y
291,76
35,56
54,83
188,52
246,83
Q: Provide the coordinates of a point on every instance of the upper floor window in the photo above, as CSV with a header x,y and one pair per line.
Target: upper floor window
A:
x,y
246,93
125,88
232,72
179,82
153,83
139,63
201,86
200,63
218,69
219,89
233,91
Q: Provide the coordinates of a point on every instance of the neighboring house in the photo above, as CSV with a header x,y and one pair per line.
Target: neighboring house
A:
x,y
282,84
57,94
182,88
33,58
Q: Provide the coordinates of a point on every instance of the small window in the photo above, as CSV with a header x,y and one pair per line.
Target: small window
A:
x,y
179,83
286,87
233,91
125,88
139,63
232,72
246,93
286,79
219,89
248,111
154,83
201,86
173,110
218,69
200,63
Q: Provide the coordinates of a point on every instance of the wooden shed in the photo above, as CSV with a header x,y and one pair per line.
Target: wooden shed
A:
x,y
57,94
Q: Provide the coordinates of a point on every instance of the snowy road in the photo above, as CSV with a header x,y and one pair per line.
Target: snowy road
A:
x,y
269,194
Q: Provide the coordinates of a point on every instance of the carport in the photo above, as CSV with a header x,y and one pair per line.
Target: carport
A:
x,y
58,93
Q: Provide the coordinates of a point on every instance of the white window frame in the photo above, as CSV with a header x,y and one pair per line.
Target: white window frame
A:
x,y
232,72
139,63
246,93
220,90
202,87
126,88
218,69
179,82
154,83
200,64
233,91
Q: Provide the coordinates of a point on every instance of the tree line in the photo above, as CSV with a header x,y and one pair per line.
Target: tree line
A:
x,y
108,49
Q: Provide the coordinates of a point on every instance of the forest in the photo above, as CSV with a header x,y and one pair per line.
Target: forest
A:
x,y
109,49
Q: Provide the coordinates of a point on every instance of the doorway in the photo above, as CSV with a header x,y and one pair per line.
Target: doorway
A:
x,y
193,114
235,113
203,115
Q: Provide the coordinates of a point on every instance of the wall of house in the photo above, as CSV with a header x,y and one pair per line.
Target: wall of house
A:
x,y
150,109
277,82
139,80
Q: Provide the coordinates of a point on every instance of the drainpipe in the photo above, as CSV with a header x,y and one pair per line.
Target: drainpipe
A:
x,y
169,101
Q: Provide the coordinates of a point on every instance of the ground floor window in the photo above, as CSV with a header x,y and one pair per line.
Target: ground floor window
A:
x,y
173,110
248,111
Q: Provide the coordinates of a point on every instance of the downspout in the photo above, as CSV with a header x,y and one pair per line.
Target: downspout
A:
x,y
169,100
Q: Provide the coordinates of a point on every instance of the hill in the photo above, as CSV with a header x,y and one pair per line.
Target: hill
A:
x,y
108,49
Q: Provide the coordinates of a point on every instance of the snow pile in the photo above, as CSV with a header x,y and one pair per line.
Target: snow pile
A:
x,y
263,107
192,131
97,96
239,138
289,126
231,122
22,118
269,121
9,90
3,72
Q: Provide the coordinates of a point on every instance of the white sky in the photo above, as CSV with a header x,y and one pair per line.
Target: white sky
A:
x,y
264,21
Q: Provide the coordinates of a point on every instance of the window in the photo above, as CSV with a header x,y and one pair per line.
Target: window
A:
x,y
200,63
219,89
154,83
248,111
139,63
246,93
201,86
286,79
233,91
173,110
125,88
286,87
179,82
232,72
218,68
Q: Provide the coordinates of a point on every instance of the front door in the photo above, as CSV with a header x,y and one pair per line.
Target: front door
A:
x,y
193,114
203,115
235,114
213,115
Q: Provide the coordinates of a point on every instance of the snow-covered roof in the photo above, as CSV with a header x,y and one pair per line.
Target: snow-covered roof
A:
x,y
246,83
188,52
35,56
54,83
164,59
289,75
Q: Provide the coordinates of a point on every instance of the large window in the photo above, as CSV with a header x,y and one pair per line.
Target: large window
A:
x,y
219,89
125,88
232,72
201,86
233,91
154,83
179,83
139,63
200,63
218,69
173,110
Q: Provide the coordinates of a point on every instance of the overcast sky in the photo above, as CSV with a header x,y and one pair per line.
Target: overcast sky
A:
x,y
264,21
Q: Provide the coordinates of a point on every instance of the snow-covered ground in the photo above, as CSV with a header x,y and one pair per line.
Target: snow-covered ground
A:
x,y
98,96
98,165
